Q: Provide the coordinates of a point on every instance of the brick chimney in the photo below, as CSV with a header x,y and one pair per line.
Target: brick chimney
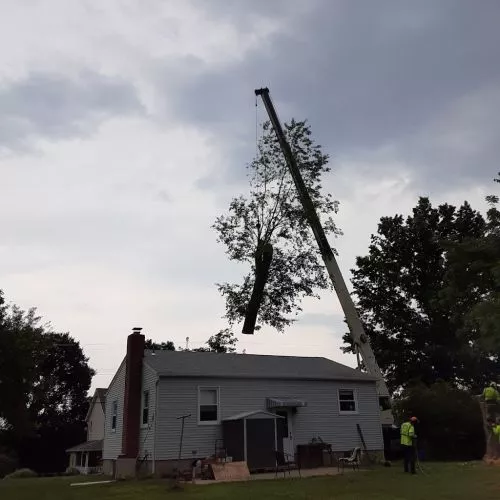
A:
x,y
132,394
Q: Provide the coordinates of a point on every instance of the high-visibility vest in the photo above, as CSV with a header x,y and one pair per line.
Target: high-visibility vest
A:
x,y
491,394
496,431
407,434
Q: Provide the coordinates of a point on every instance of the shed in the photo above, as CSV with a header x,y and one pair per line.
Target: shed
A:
x,y
252,437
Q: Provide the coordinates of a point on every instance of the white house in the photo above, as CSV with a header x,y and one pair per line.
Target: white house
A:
x,y
248,405
87,456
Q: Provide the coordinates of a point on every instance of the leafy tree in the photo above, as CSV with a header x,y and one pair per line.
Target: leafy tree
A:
x,y
401,286
474,277
450,423
268,231
44,380
161,346
223,341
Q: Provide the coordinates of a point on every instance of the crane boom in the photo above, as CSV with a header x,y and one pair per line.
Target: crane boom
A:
x,y
358,335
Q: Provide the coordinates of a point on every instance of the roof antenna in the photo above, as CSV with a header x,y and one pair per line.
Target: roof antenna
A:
x,y
187,343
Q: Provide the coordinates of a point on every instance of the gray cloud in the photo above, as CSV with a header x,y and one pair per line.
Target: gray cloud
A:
x,y
368,75
322,319
53,106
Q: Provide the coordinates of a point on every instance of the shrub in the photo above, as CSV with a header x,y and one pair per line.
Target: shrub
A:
x,y
71,471
21,473
450,422
8,464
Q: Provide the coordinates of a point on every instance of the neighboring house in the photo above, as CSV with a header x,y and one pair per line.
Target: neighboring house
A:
x,y
250,405
87,456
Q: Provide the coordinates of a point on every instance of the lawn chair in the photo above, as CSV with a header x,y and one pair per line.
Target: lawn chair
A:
x,y
285,462
353,460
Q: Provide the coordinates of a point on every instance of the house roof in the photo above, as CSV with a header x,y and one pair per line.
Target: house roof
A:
x,y
226,365
87,446
100,394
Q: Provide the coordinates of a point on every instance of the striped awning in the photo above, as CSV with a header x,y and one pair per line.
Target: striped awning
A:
x,y
285,403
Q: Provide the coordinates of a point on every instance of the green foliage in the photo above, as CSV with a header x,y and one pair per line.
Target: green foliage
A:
x,y
272,214
21,473
44,380
223,341
450,422
8,463
474,278
413,311
161,346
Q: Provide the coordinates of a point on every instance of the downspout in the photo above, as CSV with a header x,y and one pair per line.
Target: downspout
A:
x,y
153,465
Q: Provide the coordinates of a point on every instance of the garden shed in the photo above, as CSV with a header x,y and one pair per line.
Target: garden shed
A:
x,y
252,437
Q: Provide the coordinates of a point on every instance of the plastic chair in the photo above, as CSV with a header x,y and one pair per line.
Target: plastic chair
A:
x,y
353,460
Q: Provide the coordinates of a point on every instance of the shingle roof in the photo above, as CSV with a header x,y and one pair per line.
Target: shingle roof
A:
x,y
101,394
87,446
210,364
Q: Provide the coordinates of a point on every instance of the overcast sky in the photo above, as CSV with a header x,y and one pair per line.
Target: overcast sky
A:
x,y
125,128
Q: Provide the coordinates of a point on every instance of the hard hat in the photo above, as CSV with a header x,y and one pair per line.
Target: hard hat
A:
x,y
413,419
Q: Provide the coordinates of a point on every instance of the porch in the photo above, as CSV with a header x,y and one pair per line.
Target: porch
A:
x,y
86,457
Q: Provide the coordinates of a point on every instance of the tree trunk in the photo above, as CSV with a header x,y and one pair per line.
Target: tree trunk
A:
x,y
263,259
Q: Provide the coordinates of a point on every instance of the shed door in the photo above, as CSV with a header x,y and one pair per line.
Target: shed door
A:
x,y
260,443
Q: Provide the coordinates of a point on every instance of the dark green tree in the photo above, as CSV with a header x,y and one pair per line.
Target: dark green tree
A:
x,y
223,341
474,280
400,286
450,422
159,346
268,232
44,380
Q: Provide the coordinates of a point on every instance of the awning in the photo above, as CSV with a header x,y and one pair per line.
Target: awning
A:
x,y
285,403
252,414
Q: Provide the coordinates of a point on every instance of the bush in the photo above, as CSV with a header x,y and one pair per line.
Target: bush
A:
x,y
8,464
21,473
71,471
450,422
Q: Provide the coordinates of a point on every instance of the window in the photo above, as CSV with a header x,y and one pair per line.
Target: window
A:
x,y
347,401
208,405
145,408
114,414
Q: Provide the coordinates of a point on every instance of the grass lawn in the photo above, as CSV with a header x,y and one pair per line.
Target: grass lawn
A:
x,y
443,481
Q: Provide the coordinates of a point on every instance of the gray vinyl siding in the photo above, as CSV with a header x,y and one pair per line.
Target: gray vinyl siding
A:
x,y
321,417
146,437
113,440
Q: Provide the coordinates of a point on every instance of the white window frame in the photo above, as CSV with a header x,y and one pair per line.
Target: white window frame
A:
x,y
208,422
355,397
145,424
114,413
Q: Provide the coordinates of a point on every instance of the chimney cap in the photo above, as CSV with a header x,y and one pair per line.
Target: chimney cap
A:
x,y
137,329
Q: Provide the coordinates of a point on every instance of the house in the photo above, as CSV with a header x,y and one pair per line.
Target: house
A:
x,y
249,405
87,456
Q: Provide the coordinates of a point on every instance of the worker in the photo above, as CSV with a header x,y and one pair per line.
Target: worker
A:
x,y
492,399
495,430
408,444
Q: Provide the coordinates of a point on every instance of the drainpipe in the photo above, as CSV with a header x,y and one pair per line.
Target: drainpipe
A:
x,y
153,465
